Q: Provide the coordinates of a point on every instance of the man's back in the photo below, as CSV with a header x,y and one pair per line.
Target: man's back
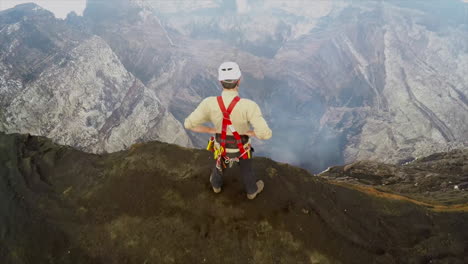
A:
x,y
246,113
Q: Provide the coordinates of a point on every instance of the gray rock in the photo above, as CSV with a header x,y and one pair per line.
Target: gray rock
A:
x,y
70,86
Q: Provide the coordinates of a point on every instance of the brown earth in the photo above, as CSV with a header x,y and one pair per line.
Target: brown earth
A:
x,y
153,204
440,179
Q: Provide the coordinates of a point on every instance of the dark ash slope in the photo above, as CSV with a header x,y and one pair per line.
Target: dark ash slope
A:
x,y
153,204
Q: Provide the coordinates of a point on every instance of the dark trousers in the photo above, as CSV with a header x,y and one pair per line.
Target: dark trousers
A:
x,y
248,176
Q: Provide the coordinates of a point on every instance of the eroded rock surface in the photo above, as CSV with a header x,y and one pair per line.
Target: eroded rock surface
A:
x,y
70,86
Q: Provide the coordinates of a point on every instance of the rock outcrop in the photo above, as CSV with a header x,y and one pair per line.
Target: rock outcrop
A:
x,y
153,204
70,86
439,178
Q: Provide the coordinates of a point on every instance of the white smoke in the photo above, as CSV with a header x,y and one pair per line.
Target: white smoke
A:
x,y
242,6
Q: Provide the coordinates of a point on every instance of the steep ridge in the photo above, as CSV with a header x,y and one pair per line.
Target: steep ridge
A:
x,y
153,204
435,121
69,85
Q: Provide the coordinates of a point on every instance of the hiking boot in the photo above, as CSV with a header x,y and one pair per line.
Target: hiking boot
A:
x,y
260,186
215,190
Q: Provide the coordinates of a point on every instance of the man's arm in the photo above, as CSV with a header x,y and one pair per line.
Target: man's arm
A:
x,y
199,116
261,129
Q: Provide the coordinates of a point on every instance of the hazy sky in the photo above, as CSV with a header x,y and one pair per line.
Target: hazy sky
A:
x,y
59,7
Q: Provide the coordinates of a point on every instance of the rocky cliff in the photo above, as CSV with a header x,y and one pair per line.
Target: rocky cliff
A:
x,y
69,85
153,204
339,81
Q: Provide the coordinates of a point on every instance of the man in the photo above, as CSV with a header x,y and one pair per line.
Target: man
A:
x,y
232,129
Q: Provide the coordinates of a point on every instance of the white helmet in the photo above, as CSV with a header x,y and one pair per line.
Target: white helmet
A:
x,y
229,71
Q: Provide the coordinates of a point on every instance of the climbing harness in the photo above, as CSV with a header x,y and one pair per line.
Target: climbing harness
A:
x,y
219,148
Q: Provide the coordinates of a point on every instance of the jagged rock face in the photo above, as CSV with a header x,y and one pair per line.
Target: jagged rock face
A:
x,y
425,90
363,71
60,204
70,86
338,81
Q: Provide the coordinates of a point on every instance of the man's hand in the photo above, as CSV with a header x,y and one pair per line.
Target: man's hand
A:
x,y
251,133
204,129
211,130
